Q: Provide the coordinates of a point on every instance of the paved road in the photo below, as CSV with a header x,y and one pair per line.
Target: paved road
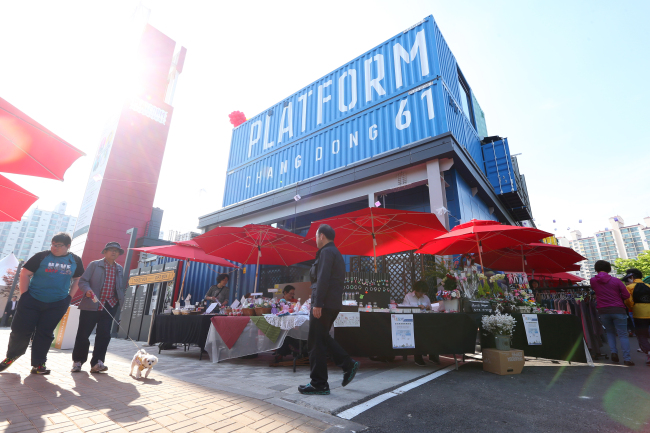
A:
x,y
544,398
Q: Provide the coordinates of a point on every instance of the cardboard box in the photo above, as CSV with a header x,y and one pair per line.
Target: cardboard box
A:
x,y
503,362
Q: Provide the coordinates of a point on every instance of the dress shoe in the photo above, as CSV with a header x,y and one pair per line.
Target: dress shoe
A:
x,y
628,363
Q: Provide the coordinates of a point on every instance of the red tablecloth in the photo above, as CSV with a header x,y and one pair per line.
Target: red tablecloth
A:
x,y
230,328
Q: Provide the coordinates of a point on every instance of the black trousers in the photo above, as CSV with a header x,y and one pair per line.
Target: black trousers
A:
x,y
38,318
87,322
320,344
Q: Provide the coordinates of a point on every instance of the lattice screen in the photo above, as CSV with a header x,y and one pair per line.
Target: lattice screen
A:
x,y
404,269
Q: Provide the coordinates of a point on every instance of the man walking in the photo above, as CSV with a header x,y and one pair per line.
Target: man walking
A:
x,y
45,288
10,309
327,275
103,293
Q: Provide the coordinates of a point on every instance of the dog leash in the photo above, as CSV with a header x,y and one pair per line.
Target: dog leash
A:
x,y
95,300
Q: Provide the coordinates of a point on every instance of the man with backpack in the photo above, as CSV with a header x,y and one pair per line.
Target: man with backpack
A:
x,y
639,303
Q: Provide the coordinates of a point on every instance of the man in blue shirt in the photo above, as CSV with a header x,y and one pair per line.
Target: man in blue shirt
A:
x,y
45,288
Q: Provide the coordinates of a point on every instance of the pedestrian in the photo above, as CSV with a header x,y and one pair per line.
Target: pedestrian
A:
x,y
103,294
327,275
48,281
10,309
611,294
639,303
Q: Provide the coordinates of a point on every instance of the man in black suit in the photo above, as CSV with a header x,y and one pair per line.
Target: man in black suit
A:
x,y
327,275
10,309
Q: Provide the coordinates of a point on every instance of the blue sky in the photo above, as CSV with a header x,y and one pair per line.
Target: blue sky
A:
x,y
564,81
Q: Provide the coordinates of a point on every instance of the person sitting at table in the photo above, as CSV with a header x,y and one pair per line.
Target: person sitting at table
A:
x,y
219,292
288,293
290,344
418,297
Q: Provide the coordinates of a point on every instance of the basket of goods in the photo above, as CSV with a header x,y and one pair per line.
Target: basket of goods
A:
x,y
249,311
262,309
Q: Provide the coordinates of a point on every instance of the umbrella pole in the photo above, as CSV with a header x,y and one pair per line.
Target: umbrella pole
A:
x,y
257,267
480,257
523,260
374,240
180,296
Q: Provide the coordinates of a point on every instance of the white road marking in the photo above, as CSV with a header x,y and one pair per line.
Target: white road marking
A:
x,y
356,410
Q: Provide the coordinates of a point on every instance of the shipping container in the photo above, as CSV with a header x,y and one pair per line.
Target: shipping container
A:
x,y
502,171
402,120
373,94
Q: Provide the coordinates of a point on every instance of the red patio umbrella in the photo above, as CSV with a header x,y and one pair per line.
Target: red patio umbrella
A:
x,y
535,257
26,147
559,276
14,200
256,244
378,231
184,251
478,236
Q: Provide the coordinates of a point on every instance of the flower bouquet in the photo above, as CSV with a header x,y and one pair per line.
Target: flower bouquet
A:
x,y
501,326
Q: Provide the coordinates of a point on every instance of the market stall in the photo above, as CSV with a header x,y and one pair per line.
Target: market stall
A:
x,y
182,329
237,336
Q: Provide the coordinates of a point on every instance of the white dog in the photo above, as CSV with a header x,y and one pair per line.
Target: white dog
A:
x,y
143,360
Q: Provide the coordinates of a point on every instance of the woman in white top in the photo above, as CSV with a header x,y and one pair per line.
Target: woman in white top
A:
x,y
417,297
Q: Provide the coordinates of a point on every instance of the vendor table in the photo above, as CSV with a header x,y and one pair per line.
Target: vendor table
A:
x,y
453,333
562,337
185,330
251,340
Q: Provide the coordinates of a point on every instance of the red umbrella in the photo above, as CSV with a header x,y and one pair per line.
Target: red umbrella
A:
x,y
535,257
256,244
378,231
14,200
560,276
478,236
26,147
184,251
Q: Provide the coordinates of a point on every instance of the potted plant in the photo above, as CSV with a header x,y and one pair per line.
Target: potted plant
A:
x,y
501,326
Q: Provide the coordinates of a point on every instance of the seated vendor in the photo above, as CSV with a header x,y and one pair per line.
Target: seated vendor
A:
x,y
533,284
288,293
219,292
290,345
418,298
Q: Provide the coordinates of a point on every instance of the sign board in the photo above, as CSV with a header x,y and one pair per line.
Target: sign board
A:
x,y
139,302
402,331
127,311
478,307
152,278
381,100
348,320
531,324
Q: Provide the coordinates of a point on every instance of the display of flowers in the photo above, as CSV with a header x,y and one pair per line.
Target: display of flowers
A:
x,y
496,277
448,294
503,324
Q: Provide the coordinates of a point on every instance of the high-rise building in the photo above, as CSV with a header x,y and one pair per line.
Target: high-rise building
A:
x,y
585,246
34,232
619,241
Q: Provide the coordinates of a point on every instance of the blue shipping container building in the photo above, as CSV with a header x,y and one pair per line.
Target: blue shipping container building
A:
x,y
398,126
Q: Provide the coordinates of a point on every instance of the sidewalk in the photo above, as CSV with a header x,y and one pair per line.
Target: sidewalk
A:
x,y
115,402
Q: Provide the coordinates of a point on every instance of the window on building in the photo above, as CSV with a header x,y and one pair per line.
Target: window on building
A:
x,y
465,98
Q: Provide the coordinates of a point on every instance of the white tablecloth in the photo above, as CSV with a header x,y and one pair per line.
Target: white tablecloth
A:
x,y
251,341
